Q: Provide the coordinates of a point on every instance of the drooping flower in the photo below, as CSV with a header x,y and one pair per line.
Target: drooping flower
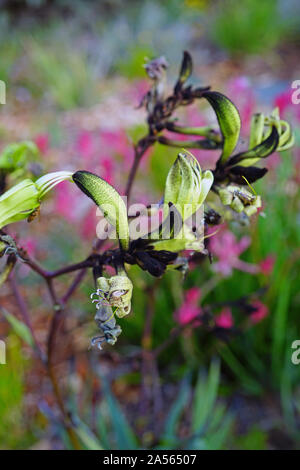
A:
x,y
113,297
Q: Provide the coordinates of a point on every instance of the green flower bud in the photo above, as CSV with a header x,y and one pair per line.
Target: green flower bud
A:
x,y
186,186
24,198
109,201
186,189
229,121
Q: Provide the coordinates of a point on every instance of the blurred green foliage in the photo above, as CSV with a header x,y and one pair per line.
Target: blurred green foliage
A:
x,y
14,430
210,425
249,27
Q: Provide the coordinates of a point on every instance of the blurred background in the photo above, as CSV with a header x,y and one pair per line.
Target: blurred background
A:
x,y
74,79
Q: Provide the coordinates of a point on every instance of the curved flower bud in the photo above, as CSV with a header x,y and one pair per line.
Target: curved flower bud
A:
x,y
229,121
109,201
20,201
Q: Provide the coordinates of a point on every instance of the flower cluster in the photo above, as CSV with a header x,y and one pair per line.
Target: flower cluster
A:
x,y
226,190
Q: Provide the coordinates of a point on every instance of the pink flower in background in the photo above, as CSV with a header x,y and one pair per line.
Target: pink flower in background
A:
x,y
273,161
260,313
194,118
107,166
225,319
116,142
286,105
267,265
137,91
227,249
65,204
284,100
84,144
189,310
30,245
42,142
88,224
193,295
241,91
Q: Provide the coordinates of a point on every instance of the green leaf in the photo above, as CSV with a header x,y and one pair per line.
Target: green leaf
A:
x,y
19,327
175,413
280,321
205,396
229,121
240,371
216,440
86,436
109,201
125,437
